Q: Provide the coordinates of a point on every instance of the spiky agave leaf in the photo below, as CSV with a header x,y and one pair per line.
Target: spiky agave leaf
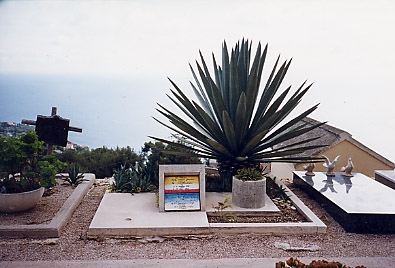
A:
x,y
233,121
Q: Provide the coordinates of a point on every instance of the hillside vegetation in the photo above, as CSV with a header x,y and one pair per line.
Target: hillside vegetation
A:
x,y
12,129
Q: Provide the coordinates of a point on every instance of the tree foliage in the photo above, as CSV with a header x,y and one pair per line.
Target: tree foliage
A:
x,y
101,161
23,167
157,153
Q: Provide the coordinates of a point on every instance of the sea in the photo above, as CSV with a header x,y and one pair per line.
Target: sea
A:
x,y
118,111
112,111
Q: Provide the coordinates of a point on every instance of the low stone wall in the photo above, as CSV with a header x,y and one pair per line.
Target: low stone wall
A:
x,y
55,227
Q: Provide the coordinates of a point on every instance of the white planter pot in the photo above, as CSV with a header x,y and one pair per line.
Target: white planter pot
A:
x,y
18,202
248,194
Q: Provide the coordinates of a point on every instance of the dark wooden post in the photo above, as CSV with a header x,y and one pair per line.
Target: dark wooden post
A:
x,y
50,146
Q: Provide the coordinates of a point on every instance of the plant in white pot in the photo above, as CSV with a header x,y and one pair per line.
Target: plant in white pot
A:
x,y
24,172
249,188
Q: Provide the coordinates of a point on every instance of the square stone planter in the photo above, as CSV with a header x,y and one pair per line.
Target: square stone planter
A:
x,y
248,194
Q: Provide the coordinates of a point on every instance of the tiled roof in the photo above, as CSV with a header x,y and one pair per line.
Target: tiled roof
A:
x,y
329,136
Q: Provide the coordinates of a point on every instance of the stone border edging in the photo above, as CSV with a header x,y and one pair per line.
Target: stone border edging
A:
x,y
313,226
58,222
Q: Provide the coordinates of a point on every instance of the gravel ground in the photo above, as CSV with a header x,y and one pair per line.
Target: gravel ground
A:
x,y
73,244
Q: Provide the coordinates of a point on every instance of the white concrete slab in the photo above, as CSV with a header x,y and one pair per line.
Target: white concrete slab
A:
x,y
126,215
123,210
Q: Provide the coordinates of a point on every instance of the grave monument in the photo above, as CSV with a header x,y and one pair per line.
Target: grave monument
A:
x,y
359,203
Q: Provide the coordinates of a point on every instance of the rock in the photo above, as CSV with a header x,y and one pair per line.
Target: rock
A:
x,y
49,241
288,247
151,239
103,182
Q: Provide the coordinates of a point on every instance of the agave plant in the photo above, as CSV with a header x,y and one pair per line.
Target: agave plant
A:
x,y
232,120
74,177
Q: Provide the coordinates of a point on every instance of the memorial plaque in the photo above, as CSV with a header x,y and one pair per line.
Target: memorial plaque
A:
x,y
182,192
182,201
182,188
182,184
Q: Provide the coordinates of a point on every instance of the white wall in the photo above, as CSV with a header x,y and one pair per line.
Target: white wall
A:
x,y
282,170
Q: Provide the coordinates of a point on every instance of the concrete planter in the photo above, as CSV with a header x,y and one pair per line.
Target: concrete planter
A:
x,y
19,202
248,194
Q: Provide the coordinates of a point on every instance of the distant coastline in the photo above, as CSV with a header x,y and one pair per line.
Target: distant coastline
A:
x,y
12,129
112,111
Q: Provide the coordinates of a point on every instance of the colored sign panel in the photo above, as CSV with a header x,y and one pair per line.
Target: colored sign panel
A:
x,y
182,192
180,201
181,184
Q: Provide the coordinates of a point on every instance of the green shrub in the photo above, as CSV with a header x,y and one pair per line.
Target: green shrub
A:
x,y
132,180
121,180
49,167
74,177
249,174
23,156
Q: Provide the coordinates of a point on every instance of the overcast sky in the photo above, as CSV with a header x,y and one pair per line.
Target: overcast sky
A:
x,y
345,47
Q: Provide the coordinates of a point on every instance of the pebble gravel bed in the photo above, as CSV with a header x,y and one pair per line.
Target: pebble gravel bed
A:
x,y
74,245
